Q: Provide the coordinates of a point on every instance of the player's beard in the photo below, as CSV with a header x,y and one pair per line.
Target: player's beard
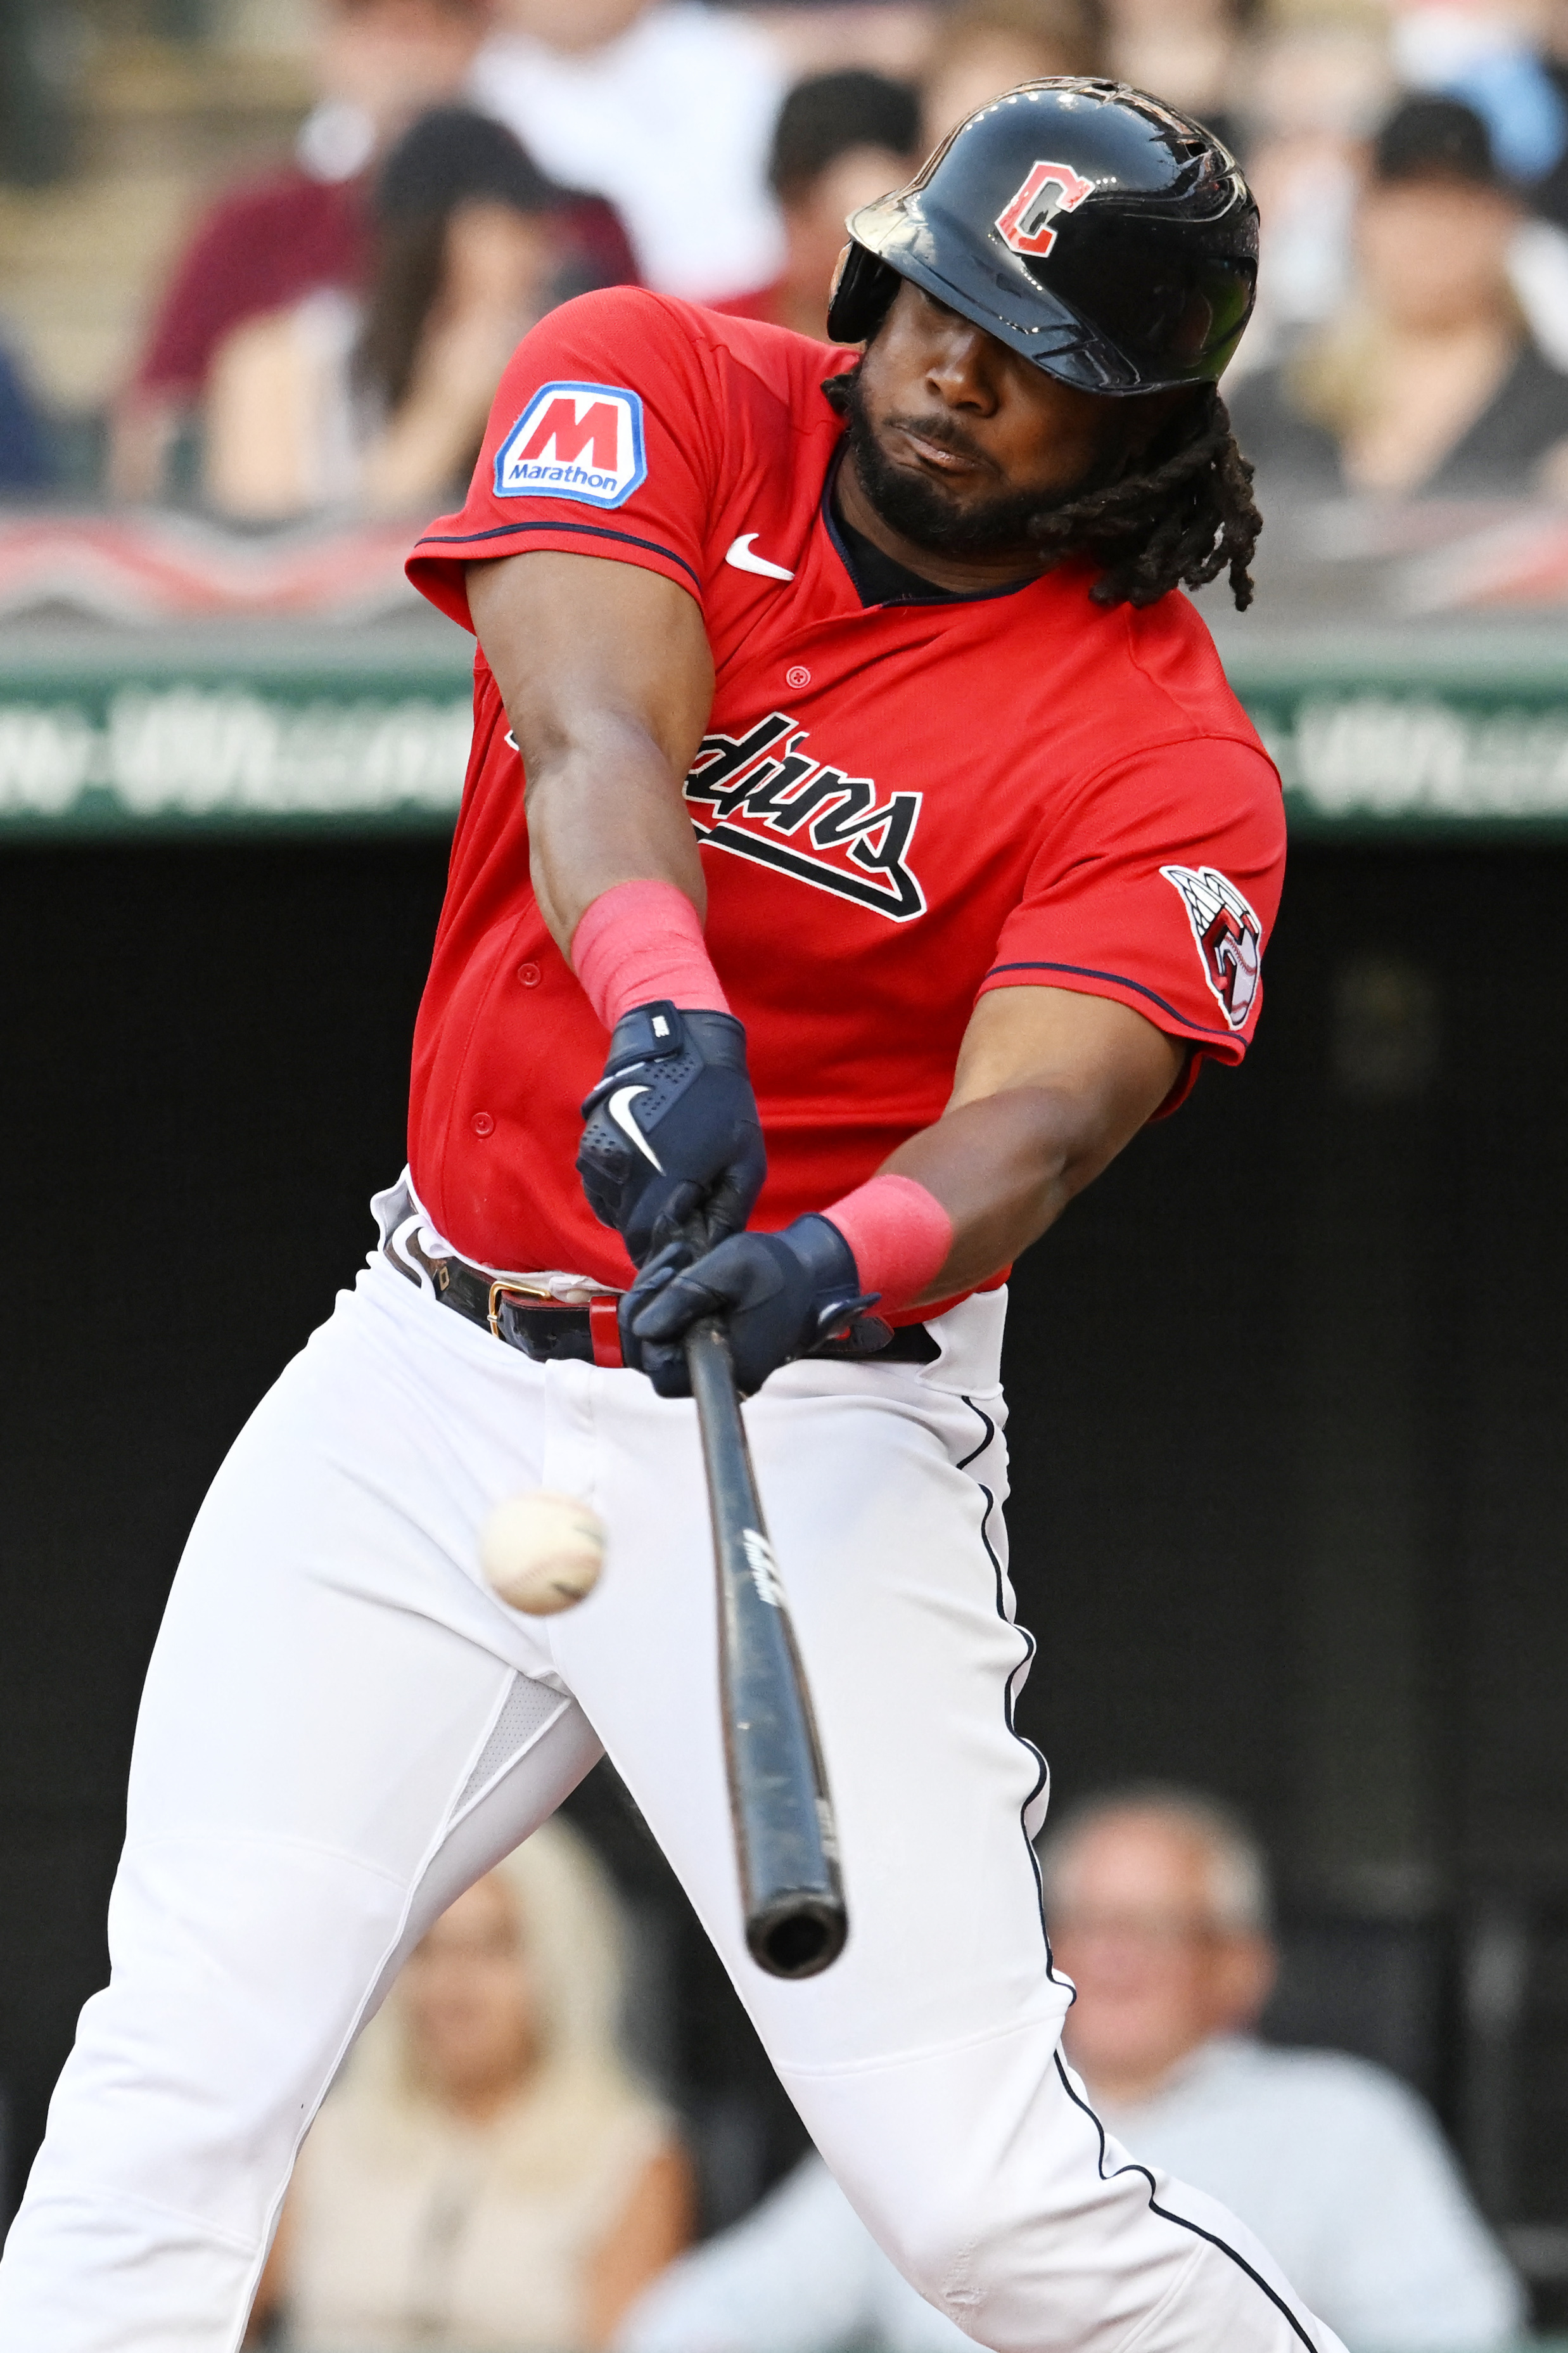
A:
x,y
921,512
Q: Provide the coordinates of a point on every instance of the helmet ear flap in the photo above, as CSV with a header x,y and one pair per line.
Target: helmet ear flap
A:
x,y
862,295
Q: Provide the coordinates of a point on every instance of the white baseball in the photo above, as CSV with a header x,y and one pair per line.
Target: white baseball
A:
x,y
542,1553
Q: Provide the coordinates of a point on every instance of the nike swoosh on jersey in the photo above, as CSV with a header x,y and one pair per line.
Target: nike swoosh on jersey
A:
x,y
619,1109
739,554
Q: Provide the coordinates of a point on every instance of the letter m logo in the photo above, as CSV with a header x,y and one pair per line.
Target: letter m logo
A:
x,y
561,433
577,441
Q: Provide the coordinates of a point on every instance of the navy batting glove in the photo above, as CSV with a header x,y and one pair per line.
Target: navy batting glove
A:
x,y
673,1143
778,1295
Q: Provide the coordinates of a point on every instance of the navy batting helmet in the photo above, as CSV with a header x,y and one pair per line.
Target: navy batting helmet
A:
x,y
1108,238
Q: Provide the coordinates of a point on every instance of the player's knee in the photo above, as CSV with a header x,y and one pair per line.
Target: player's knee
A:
x,y
946,2244
987,2242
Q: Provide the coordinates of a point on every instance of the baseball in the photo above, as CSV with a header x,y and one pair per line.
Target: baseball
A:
x,y
542,1553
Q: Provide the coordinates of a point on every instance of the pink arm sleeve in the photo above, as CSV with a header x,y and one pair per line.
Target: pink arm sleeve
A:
x,y
900,1236
639,942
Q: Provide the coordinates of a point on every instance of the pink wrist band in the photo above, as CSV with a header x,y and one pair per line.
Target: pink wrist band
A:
x,y
900,1236
639,942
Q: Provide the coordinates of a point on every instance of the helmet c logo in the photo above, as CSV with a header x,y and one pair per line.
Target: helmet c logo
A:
x,y
1050,189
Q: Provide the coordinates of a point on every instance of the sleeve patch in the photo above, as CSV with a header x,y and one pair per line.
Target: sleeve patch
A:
x,y
578,441
1229,934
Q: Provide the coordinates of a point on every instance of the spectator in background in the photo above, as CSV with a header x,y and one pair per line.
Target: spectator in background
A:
x,y
1426,382
486,2177
841,140
384,406
1158,1907
985,47
665,110
265,245
1508,60
1484,52
1317,87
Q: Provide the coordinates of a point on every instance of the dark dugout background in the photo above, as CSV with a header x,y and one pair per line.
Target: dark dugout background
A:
x,y
1290,1470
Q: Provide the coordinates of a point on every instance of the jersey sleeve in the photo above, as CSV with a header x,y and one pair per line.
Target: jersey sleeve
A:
x,y
1159,888
603,440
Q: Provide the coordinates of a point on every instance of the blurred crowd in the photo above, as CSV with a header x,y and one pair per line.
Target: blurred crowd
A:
x,y
320,338
488,2175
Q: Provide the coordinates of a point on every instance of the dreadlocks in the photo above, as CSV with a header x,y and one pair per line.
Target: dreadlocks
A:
x,y
1184,516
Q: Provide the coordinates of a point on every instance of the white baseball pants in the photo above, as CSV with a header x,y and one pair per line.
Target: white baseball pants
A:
x,y
341,1728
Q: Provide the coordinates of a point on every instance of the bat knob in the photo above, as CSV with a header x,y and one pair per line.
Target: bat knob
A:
x,y
798,1935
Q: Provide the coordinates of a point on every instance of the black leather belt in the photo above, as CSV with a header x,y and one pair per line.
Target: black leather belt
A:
x,y
550,1329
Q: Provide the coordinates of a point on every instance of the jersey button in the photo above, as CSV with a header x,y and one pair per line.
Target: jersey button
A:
x,y
483,1123
529,974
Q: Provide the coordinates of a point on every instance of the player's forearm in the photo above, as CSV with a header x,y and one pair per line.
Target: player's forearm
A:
x,y
1051,1085
1003,1169
607,676
604,807
953,1206
1048,1088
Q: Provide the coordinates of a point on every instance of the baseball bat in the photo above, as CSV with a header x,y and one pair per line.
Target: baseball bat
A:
x,y
785,1838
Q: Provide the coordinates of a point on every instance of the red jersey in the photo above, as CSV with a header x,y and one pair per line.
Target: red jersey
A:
x,y
900,805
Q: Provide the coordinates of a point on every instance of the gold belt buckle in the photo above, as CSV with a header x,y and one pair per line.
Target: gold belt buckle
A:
x,y
511,1287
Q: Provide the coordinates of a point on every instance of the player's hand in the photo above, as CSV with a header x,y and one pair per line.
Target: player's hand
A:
x,y
778,1295
673,1143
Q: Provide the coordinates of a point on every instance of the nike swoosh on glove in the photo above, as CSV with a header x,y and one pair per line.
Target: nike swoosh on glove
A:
x,y
777,1294
673,1143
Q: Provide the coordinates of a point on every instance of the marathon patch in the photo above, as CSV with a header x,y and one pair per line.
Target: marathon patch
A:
x,y
577,441
1229,934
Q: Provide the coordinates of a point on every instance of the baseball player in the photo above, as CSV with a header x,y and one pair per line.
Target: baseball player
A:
x,y
860,825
